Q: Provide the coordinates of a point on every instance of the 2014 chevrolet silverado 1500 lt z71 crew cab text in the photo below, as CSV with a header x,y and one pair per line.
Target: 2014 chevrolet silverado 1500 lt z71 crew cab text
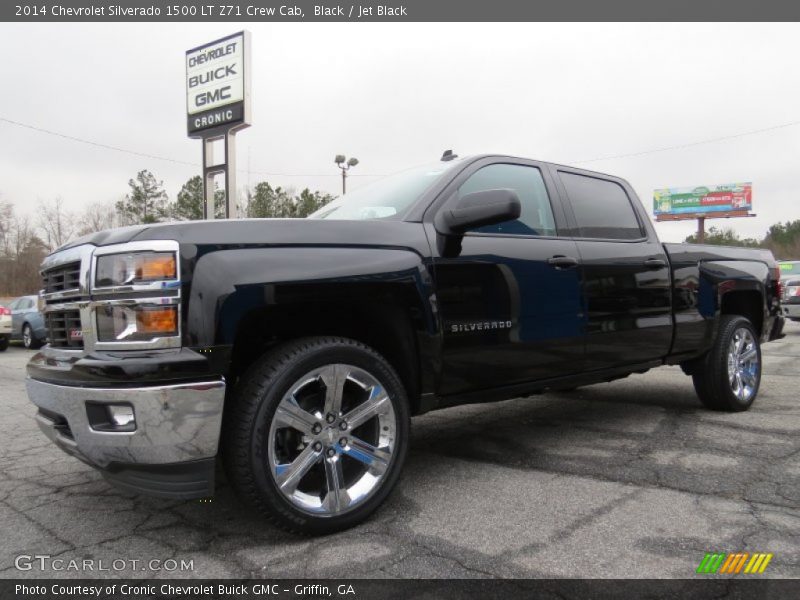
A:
x,y
298,349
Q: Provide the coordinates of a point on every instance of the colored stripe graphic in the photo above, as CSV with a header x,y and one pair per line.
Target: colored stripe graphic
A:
x,y
734,564
711,562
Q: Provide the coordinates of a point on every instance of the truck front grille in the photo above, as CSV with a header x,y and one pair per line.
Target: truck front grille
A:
x,y
64,328
62,278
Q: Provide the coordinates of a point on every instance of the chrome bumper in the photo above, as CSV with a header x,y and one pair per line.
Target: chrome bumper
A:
x,y
174,423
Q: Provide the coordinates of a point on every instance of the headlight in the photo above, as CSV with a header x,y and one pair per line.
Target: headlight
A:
x,y
141,267
136,323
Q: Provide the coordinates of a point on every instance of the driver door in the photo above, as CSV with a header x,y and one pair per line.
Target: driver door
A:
x,y
510,301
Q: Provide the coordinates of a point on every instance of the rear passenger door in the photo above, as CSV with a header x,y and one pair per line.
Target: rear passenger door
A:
x,y
626,278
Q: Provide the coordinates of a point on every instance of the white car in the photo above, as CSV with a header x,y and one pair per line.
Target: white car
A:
x,y
5,327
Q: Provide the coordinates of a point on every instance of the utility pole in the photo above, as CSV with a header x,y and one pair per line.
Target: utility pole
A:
x,y
345,164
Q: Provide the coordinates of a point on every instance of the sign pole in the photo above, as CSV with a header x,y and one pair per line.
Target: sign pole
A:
x,y
701,230
231,209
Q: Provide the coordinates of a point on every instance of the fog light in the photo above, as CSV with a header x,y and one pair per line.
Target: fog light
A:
x,y
111,417
121,414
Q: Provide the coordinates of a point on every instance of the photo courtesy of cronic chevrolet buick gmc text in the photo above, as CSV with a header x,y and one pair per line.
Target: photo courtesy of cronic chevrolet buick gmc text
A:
x,y
297,350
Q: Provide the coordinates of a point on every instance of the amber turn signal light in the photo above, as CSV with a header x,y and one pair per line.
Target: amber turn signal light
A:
x,y
158,320
155,267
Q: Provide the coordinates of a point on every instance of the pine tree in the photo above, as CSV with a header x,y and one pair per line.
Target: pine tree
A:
x,y
146,202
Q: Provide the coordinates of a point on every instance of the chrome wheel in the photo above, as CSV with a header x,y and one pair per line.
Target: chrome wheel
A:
x,y
27,336
743,364
332,440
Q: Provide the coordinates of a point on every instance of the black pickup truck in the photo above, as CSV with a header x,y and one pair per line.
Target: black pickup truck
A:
x,y
297,350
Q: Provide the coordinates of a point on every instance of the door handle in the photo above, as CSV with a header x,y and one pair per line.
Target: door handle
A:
x,y
563,262
654,263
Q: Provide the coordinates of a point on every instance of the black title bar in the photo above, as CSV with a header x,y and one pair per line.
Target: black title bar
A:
x,y
735,588
399,11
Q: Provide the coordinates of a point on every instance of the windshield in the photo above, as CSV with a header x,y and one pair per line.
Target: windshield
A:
x,y
790,268
386,198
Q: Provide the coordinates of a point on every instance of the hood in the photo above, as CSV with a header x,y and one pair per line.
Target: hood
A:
x,y
283,232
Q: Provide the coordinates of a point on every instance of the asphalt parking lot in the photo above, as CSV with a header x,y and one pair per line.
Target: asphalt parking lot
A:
x,y
625,479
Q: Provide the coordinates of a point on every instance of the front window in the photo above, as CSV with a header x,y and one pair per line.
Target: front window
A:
x,y
387,198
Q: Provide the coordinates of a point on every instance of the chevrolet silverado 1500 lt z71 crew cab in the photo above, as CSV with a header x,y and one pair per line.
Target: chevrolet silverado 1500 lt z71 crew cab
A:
x,y
297,349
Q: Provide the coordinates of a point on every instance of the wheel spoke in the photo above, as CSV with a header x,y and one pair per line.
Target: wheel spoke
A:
x,y
740,385
375,458
750,354
289,475
334,378
289,414
336,496
377,403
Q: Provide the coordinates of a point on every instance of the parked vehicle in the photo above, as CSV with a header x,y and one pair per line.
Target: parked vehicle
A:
x,y
299,348
790,282
28,323
5,327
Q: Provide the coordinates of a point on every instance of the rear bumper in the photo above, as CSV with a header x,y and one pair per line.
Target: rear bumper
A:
x,y
169,453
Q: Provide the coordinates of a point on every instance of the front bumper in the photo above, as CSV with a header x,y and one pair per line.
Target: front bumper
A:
x,y
171,451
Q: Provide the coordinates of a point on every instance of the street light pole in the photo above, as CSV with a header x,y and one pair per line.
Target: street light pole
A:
x,y
344,164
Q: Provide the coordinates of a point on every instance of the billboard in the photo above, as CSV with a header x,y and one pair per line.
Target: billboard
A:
x,y
733,197
217,84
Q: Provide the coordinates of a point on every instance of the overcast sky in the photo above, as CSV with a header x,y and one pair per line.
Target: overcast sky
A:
x,y
397,95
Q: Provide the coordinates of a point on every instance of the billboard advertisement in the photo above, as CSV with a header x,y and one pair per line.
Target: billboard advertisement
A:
x,y
703,200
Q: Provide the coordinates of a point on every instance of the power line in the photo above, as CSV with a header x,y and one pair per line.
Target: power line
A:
x,y
271,174
690,144
164,158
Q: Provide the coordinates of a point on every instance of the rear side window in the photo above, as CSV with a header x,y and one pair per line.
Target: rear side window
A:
x,y
602,208
536,217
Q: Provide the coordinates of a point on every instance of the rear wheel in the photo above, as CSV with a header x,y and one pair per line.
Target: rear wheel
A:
x,y
317,434
728,377
3,343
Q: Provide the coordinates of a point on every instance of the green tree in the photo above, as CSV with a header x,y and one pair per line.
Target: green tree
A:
x,y
308,202
146,202
266,201
784,240
724,237
189,204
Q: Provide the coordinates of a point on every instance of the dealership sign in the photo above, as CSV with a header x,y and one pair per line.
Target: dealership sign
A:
x,y
218,85
734,197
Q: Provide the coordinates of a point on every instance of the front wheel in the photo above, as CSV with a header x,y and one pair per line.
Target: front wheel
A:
x,y
317,434
730,374
29,340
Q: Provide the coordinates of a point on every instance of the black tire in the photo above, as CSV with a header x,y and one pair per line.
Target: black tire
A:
x,y
249,418
29,339
3,343
711,376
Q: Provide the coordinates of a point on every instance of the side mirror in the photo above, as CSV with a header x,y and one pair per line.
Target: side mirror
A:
x,y
479,209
